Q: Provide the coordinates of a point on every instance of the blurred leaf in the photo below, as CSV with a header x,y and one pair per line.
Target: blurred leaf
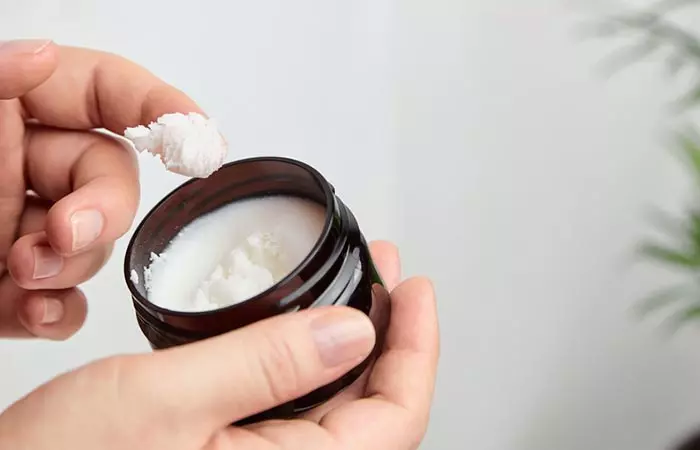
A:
x,y
630,56
655,28
690,147
670,256
689,100
640,21
600,29
675,63
667,6
653,32
682,318
694,231
662,298
663,222
678,37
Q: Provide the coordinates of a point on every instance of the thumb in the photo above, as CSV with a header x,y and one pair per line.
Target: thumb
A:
x,y
24,65
224,379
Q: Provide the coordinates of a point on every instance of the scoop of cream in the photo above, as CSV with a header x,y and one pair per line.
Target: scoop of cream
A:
x,y
245,272
188,144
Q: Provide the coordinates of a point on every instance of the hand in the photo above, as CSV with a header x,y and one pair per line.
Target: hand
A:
x,y
66,193
184,398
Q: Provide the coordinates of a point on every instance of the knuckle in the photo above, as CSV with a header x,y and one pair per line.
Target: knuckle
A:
x,y
115,379
111,372
115,394
280,368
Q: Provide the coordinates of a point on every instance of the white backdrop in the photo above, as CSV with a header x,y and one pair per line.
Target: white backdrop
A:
x,y
477,135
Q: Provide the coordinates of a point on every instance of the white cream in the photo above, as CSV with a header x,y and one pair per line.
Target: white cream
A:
x,y
234,253
188,144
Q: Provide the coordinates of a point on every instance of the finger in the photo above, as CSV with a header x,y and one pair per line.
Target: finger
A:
x,y
401,386
32,220
404,373
12,185
92,89
24,65
33,264
54,315
380,319
34,215
386,257
94,181
216,382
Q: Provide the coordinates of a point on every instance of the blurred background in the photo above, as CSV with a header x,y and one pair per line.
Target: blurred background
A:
x,y
484,139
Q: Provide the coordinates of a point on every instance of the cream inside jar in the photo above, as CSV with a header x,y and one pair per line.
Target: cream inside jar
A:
x,y
232,254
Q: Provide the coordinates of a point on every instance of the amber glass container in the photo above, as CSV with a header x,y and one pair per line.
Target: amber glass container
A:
x,y
337,271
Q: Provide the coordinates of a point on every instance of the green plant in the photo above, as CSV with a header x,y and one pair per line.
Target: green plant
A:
x,y
681,253
655,34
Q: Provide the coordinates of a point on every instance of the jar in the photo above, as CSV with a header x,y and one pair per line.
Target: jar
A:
x,y
338,270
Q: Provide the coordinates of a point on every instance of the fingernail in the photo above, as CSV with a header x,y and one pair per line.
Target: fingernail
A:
x,y
53,311
47,263
341,337
23,46
87,226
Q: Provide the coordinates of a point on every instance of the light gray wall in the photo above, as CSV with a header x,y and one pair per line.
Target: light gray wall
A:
x,y
478,135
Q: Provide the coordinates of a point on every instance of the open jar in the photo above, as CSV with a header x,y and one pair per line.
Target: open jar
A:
x,y
337,271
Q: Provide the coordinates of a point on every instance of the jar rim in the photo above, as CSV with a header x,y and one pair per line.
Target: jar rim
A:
x,y
329,196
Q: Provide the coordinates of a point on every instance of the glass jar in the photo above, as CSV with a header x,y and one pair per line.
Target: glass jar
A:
x,y
338,270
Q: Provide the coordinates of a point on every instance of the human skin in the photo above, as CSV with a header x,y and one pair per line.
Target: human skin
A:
x,y
68,193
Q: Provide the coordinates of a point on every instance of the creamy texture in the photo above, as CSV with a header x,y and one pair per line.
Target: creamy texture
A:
x,y
248,270
234,253
188,144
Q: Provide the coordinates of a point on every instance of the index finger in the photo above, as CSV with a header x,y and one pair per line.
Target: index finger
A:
x,y
400,388
404,373
93,89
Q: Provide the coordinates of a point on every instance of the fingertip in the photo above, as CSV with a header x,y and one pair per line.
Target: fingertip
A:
x,y
34,265
387,248
46,56
165,99
20,260
25,64
37,311
386,257
73,229
416,297
54,315
344,313
58,230
414,320
96,214
418,288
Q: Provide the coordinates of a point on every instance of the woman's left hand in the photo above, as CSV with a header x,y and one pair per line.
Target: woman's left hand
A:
x,y
184,398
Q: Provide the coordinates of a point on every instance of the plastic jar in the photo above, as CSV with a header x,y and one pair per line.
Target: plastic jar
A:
x,y
337,271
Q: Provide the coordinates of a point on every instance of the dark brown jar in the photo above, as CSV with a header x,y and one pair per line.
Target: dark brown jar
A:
x,y
337,271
